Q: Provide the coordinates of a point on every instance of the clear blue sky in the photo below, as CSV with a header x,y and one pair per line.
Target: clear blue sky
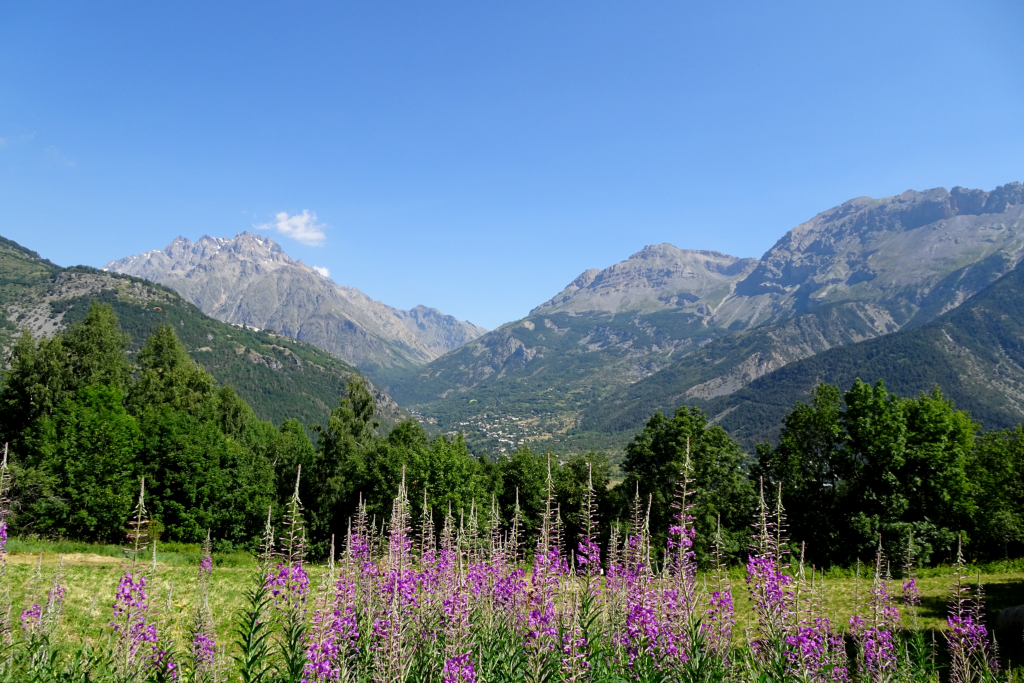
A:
x,y
477,156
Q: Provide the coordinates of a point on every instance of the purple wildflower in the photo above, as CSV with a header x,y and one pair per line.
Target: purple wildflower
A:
x,y
132,631
333,637
203,645
459,669
204,649
875,635
31,618
911,593
967,639
772,596
289,585
816,652
717,628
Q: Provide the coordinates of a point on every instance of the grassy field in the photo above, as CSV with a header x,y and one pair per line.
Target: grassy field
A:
x,y
92,574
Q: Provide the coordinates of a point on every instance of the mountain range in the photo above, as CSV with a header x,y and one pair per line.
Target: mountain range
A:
x,y
910,288
670,326
250,280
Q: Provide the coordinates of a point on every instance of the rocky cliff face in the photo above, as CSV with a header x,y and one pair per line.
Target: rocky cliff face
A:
x,y
900,250
918,251
440,332
656,278
250,280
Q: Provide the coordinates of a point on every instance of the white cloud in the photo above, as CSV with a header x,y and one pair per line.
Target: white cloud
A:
x,y
58,157
323,271
302,227
17,139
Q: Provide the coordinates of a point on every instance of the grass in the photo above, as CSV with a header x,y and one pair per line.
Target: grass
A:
x,y
93,572
168,554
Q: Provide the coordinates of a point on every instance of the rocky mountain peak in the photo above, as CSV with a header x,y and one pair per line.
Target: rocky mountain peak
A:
x,y
656,277
440,332
250,280
898,247
978,202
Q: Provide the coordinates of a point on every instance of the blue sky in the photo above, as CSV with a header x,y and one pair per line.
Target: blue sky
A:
x,y
477,156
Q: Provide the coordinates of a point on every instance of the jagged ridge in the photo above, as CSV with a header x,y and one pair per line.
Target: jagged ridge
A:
x,y
250,280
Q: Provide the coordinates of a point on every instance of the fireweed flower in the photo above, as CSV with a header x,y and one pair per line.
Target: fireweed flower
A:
x,y
721,617
540,623
31,618
548,567
588,555
771,590
971,654
201,629
574,652
814,650
459,669
289,585
911,593
395,599
136,645
806,649
456,636
680,600
510,591
876,634
136,638
632,598
817,653
204,649
879,653
643,628
54,600
334,636
772,597
41,618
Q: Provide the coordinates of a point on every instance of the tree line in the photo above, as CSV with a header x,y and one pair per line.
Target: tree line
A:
x,y
86,421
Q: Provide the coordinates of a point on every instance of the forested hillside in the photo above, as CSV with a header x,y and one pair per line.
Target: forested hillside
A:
x,y
86,423
279,377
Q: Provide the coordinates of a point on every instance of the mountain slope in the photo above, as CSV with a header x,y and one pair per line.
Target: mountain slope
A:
x,y
899,251
693,326
279,377
727,365
657,278
250,280
440,332
974,353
